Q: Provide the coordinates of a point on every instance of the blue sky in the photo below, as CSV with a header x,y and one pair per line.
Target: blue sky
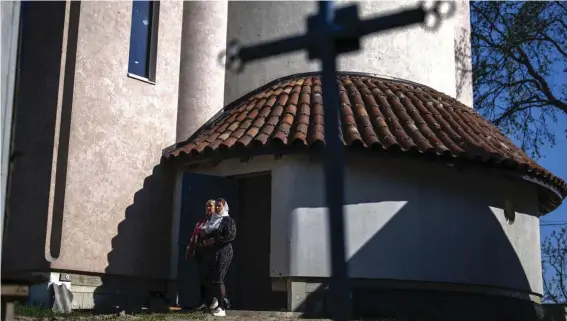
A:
x,y
555,160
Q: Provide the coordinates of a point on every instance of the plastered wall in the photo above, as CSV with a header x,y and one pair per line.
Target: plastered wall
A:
x,y
412,53
412,220
116,218
406,219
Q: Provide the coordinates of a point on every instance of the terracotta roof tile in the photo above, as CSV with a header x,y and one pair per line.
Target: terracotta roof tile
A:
x,y
375,113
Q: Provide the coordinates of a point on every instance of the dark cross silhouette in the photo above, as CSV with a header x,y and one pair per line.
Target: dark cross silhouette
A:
x,y
331,32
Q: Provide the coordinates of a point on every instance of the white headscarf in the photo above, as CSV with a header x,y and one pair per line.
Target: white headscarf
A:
x,y
215,220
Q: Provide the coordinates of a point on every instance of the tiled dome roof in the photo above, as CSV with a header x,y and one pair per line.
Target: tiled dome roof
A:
x,y
377,114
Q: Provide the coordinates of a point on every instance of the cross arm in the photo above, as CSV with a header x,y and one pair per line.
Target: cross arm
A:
x,y
348,27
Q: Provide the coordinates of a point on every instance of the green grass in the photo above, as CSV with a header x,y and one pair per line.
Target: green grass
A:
x,y
41,314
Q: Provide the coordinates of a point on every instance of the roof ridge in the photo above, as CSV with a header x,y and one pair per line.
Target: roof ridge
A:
x,y
342,73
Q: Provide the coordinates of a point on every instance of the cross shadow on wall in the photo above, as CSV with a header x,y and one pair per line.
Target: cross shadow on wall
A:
x,y
138,264
441,237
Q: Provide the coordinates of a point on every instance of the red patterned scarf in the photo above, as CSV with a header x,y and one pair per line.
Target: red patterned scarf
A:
x,y
195,238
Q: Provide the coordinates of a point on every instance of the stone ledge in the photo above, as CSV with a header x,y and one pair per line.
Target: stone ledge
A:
x,y
264,314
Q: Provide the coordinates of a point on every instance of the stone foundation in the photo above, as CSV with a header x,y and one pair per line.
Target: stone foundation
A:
x,y
107,293
310,297
417,301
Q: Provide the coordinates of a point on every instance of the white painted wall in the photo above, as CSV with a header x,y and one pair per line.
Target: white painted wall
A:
x,y
411,53
405,219
201,78
412,220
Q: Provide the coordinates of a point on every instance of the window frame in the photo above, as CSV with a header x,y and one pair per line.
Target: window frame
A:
x,y
152,44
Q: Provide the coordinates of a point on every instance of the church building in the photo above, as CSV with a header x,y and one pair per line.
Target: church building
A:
x,y
125,124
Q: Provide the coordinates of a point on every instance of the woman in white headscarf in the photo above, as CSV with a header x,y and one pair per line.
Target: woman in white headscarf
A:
x,y
219,233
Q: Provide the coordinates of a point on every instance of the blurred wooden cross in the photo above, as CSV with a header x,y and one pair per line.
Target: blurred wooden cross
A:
x,y
332,32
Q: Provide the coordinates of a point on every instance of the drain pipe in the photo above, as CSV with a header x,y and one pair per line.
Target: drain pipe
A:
x,y
10,21
10,41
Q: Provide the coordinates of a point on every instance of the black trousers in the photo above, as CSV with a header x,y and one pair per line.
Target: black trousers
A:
x,y
213,266
204,274
203,293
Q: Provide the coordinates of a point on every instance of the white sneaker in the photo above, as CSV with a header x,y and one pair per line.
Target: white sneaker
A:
x,y
219,312
214,304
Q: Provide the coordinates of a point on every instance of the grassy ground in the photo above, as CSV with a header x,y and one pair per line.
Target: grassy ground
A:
x,y
30,313
27,313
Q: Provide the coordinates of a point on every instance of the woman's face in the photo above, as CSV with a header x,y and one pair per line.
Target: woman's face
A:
x,y
219,207
210,208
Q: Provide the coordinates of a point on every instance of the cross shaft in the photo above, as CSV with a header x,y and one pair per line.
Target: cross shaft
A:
x,y
332,32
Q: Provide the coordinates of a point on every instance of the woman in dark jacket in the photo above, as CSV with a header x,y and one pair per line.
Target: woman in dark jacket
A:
x,y
219,232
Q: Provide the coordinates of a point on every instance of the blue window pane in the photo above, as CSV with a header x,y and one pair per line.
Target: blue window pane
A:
x,y
24,8
24,12
139,60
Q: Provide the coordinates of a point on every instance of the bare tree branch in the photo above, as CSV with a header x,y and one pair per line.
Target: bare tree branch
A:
x,y
554,266
519,52
543,85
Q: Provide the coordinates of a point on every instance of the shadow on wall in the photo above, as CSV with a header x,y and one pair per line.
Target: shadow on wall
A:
x,y
416,241
463,61
138,264
35,119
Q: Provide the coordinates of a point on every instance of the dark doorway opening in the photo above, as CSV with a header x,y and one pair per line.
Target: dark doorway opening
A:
x,y
249,286
195,191
249,276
